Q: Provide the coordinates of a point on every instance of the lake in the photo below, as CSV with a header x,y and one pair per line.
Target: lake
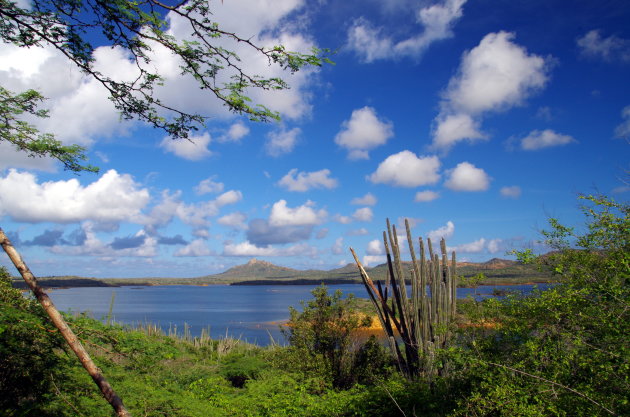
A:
x,y
250,313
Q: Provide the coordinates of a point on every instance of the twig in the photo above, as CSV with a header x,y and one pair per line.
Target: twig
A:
x,y
63,397
394,400
554,383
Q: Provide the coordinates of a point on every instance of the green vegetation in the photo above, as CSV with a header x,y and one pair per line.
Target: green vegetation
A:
x,y
564,351
323,337
561,352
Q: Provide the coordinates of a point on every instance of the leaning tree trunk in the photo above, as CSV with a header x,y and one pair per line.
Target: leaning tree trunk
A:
x,y
62,326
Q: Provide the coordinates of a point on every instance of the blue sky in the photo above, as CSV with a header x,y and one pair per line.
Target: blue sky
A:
x,y
475,119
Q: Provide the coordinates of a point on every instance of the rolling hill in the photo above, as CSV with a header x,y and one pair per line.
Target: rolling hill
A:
x,y
258,272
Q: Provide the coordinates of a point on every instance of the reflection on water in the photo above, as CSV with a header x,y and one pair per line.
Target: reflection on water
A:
x,y
251,313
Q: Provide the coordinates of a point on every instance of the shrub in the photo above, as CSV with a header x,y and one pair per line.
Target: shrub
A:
x,y
28,363
238,368
323,332
564,351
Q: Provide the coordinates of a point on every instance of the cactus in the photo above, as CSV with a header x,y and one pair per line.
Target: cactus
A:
x,y
419,324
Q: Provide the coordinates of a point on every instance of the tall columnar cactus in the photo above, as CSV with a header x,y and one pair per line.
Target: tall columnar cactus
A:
x,y
419,324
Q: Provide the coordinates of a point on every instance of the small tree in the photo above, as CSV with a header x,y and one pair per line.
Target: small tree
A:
x,y
472,281
324,331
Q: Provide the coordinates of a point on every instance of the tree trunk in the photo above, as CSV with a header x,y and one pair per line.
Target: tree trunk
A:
x,y
62,326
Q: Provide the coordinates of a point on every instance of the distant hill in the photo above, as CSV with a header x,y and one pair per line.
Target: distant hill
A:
x,y
256,272
494,263
258,269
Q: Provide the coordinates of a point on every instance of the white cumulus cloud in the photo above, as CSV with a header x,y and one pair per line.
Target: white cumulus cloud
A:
x,y
473,247
452,128
79,108
479,246
494,76
195,248
111,198
369,260
593,45
304,215
544,139
467,177
235,133
209,185
437,20
197,215
426,196
229,197
249,249
194,148
367,200
343,219
364,214
363,132
282,142
338,248
234,220
405,169
305,181
495,245
513,191
444,232
375,247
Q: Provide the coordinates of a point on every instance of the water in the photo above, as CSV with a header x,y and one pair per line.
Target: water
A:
x,y
250,313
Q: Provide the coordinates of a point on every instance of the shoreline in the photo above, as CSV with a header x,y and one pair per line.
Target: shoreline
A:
x,y
22,286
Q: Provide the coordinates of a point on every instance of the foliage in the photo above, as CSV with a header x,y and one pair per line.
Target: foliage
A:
x,y
472,281
29,363
238,368
163,376
137,28
26,138
564,351
323,333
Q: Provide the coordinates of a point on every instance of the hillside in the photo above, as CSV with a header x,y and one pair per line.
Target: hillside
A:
x,y
257,272
257,269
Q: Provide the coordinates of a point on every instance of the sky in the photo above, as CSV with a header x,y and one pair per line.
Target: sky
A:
x,y
477,120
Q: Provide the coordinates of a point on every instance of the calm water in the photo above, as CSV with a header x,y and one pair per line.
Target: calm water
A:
x,y
251,313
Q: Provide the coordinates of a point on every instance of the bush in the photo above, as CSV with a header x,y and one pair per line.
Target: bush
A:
x,y
323,335
28,363
238,368
564,351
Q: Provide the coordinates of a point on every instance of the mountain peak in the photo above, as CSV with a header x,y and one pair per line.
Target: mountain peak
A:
x,y
497,263
254,261
256,268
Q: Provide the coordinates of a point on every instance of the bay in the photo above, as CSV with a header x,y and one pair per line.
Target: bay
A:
x,y
250,313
